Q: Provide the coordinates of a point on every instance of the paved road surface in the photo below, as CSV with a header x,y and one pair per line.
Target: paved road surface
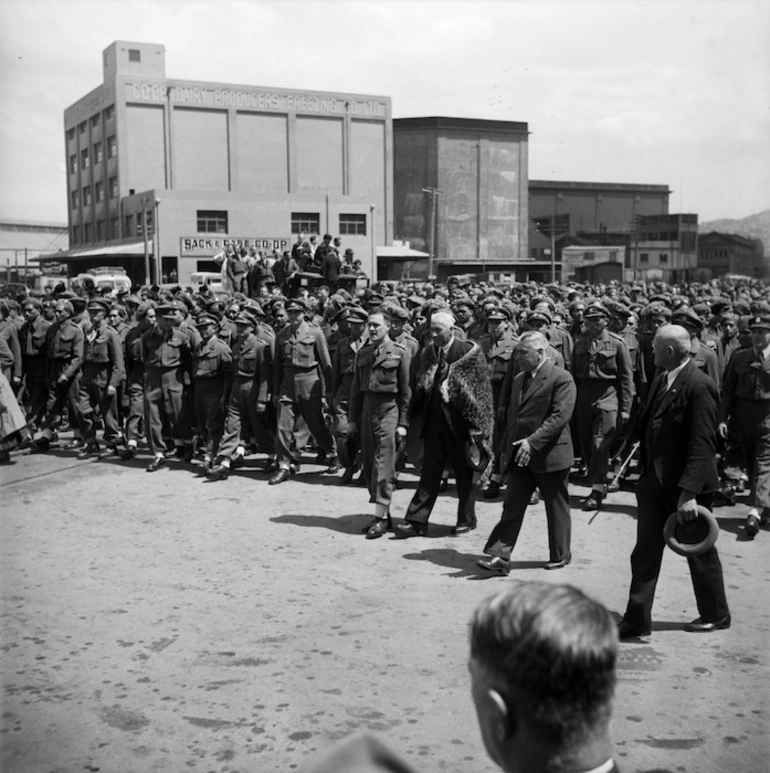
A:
x,y
162,622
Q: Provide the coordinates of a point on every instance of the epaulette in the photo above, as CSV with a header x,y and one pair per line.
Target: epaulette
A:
x,y
398,344
616,336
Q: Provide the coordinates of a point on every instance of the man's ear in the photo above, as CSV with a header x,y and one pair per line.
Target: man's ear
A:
x,y
503,722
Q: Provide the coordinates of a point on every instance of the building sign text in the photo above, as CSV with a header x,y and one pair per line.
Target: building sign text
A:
x,y
207,246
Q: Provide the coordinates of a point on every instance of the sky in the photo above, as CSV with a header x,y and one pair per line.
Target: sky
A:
x,y
673,92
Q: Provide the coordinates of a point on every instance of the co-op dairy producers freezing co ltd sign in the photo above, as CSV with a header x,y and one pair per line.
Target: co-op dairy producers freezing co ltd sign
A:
x,y
207,246
254,99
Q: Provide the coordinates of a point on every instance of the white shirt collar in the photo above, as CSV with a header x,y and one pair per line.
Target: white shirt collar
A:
x,y
672,374
448,345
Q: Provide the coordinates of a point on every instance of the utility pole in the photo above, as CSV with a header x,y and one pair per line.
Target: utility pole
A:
x,y
147,274
433,192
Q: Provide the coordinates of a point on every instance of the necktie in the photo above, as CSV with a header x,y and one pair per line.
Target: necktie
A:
x,y
525,384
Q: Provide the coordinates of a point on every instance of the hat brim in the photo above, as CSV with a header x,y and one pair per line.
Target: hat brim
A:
x,y
672,534
476,456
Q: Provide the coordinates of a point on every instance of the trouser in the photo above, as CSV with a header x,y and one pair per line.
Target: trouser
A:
x,y
497,437
752,433
93,395
379,419
135,412
209,413
347,447
37,389
441,446
289,410
654,506
163,409
243,422
522,482
597,428
60,395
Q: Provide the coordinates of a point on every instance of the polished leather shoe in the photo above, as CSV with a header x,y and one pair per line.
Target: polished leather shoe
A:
x,y
375,520
699,625
159,463
627,631
377,529
558,564
593,501
496,564
92,449
752,526
282,475
219,472
348,475
40,446
462,528
406,530
129,452
236,462
492,491
73,445
535,498
334,466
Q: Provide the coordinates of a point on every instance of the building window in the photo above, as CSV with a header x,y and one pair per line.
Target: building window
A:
x,y
94,121
100,230
134,55
114,228
127,223
662,257
211,221
98,153
73,163
643,257
109,112
112,147
88,232
82,127
74,235
113,187
305,222
352,225
614,256
86,196
75,199
99,192
70,134
84,160
589,255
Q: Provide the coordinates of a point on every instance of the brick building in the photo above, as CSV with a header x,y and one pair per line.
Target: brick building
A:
x,y
722,253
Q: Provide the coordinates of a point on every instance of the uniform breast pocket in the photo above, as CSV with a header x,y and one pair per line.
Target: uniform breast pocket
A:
x,y
386,375
304,352
38,341
170,354
205,365
606,362
65,344
248,364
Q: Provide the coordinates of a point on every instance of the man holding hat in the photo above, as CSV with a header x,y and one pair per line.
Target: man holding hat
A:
x,y
64,354
301,380
679,472
602,370
745,410
103,370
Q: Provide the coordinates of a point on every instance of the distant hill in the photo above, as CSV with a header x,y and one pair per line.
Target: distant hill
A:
x,y
754,227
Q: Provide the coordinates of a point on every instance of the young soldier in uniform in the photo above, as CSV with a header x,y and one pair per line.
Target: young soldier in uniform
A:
x,y
379,401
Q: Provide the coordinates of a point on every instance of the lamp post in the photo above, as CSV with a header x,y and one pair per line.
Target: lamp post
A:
x,y
375,269
156,240
147,274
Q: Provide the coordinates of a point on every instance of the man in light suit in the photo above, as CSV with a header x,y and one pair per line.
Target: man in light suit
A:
x,y
678,429
537,451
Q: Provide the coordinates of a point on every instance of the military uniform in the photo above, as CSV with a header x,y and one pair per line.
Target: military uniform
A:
x,y
13,370
301,377
343,367
32,339
745,407
134,390
602,370
379,402
103,370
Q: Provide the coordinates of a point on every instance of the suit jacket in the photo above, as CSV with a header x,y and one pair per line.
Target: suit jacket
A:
x,y
542,416
678,431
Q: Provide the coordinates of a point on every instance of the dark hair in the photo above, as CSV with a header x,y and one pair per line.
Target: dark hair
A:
x,y
550,651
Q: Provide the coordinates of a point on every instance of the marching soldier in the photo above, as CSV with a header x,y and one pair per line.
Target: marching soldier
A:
x,y
251,371
602,370
498,346
301,378
744,411
212,371
379,403
103,370
32,338
64,356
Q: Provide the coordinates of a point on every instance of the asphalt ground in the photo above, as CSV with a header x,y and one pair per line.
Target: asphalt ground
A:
x,y
165,622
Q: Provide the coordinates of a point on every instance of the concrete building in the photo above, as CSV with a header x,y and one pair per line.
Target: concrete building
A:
x,y
592,214
196,166
593,263
460,194
722,253
664,247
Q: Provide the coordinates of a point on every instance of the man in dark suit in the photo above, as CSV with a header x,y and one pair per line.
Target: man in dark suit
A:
x,y
678,429
452,392
537,453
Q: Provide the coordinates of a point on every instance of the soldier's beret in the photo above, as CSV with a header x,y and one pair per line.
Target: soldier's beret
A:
x,y
397,312
78,303
206,319
253,307
760,321
98,305
687,317
143,308
132,300
542,317
702,309
596,310
375,299
295,304
64,305
542,299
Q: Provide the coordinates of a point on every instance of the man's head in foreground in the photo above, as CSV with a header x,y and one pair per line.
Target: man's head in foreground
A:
x,y
542,663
